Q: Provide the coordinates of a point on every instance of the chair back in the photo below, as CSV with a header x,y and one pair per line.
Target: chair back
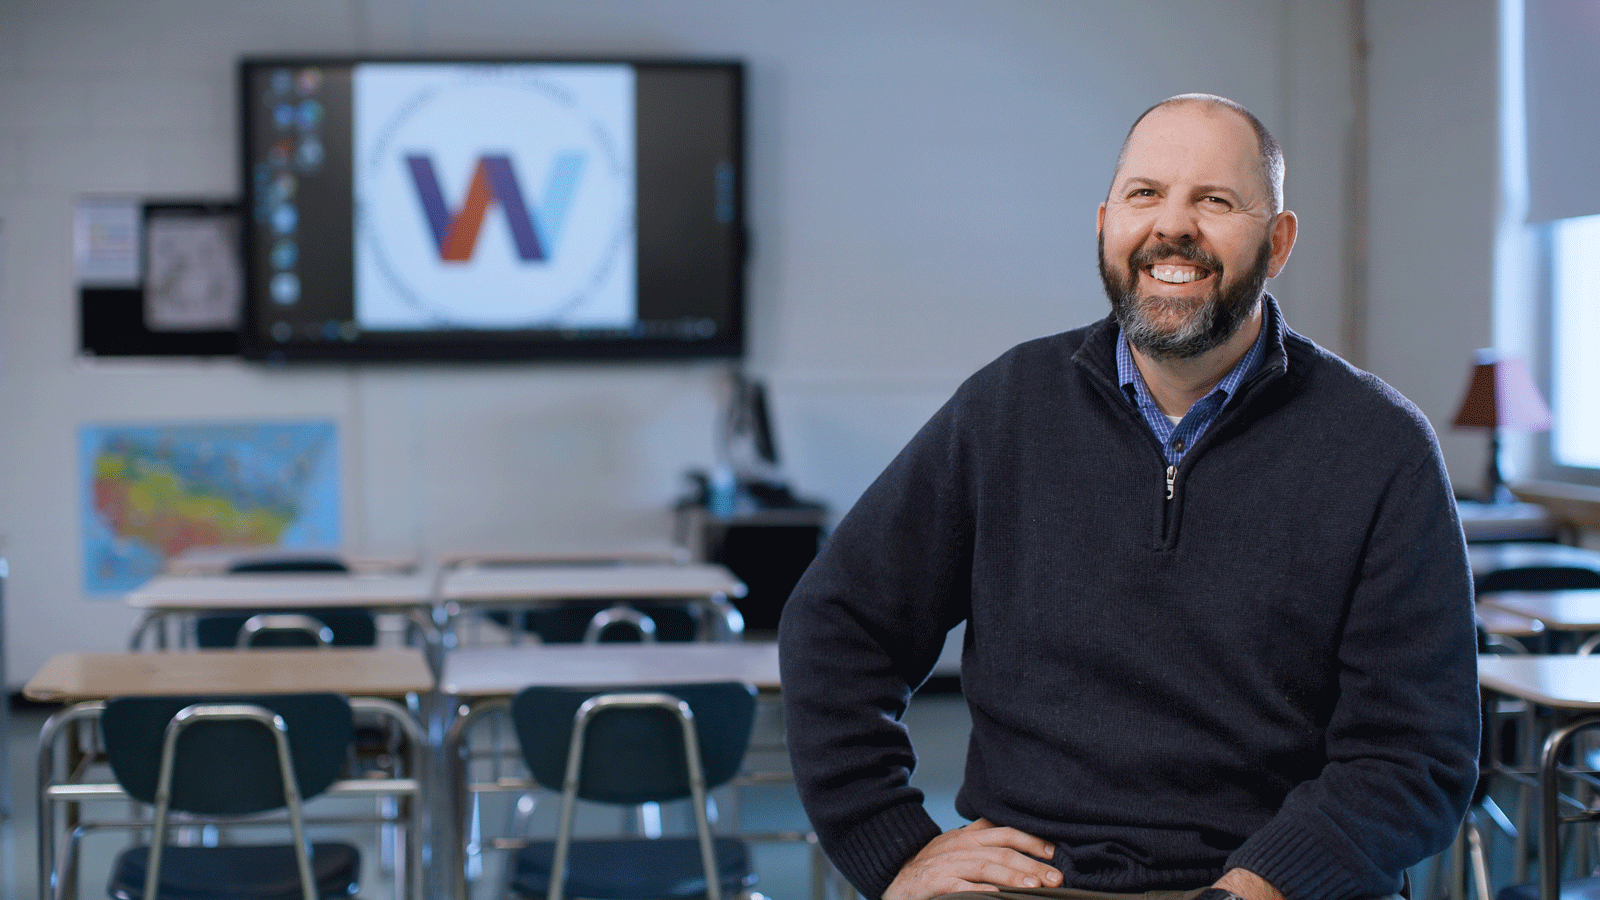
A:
x,y
634,755
264,628
226,767
270,564
345,626
1538,578
569,622
620,617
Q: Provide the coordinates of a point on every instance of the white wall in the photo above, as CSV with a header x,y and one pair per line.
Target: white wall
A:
x,y
1435,187
923,183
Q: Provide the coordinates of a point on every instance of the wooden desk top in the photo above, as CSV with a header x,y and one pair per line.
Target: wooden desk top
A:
x,y
1507,623
635,554
1571,610
181,593
1505,521
502,671
533,583
1487,558
1559,681
354,671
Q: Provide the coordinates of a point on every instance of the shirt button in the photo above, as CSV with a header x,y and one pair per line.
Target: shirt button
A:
x,y
1178,445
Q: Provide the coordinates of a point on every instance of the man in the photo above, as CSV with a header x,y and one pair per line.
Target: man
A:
x,y
1219,634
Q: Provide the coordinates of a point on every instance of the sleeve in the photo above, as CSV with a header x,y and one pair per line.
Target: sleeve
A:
x,y
1402,745
860,632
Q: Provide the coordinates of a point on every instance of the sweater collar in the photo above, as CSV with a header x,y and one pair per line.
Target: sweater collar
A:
x,y
1098,354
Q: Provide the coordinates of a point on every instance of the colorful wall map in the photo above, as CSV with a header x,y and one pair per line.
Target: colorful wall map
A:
x,y
152,491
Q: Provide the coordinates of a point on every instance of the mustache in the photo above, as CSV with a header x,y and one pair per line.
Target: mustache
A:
x,y
1166,250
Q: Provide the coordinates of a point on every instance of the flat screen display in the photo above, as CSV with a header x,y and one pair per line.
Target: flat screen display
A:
x,y
492,209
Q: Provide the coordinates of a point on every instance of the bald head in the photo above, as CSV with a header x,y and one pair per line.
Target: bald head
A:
x,y
1269,164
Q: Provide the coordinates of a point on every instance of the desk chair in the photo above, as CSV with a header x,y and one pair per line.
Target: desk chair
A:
x,y
604,620
641,744
1574,740
224,758
1471,844
332,627
1550,884
1538,578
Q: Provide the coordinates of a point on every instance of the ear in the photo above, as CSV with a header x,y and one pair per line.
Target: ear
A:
x,y
1100,220
1284,228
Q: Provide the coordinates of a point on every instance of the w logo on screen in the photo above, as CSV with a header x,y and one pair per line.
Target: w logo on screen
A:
x,y
493,179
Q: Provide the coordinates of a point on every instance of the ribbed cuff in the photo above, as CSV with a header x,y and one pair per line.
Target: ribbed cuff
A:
x,y
873,851
1298,863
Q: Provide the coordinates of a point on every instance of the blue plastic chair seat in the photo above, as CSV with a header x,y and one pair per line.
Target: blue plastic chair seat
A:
x,y
236,872
634,868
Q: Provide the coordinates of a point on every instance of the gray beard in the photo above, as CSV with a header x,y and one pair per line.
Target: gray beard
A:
x,y
1213,321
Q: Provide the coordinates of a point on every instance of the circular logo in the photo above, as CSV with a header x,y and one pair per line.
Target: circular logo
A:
x,y
495,197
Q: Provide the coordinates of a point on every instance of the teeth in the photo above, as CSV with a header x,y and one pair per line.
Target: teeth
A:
x,y
1175,274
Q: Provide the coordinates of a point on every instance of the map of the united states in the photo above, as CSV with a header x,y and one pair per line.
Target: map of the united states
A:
x,y
156,491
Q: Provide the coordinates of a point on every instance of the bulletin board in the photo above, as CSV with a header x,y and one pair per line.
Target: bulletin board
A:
x,y
158,278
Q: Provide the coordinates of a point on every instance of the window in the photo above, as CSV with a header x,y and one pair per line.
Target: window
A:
x,y
1548,246
1574,325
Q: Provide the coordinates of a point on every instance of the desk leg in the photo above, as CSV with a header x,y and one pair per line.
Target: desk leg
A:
x,y
451,855
1527,753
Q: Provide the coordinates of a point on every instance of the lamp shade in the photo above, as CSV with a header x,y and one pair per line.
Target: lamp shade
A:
x,y
1501,394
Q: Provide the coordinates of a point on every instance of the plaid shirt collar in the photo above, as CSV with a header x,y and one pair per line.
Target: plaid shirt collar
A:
x,y
1176,439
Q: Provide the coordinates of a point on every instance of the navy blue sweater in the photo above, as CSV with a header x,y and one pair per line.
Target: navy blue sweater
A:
x,y
1275,669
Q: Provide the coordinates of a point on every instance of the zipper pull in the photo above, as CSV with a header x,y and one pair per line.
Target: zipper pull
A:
x,y
1172,480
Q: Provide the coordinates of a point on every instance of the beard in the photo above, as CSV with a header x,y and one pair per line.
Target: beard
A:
x,y
1208,323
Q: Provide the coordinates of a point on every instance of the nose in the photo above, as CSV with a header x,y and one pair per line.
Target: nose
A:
x,y
1175,222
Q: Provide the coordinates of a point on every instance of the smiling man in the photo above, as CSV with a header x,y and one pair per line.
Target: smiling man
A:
x,y
1219,636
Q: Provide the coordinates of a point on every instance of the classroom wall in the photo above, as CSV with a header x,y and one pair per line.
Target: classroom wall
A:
x,y
1435,187
923,183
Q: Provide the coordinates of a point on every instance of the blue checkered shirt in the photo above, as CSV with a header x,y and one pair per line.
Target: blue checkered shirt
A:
x,y
1177,439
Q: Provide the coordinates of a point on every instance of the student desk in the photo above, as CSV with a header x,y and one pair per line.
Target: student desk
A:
x,y
475,673
373,678
1568,685
513,587
1555,680
356,671
1487,522
1572,612
167,597
1507,624
1488,557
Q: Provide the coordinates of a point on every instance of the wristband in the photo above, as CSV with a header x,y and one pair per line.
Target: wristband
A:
x,y
1215,893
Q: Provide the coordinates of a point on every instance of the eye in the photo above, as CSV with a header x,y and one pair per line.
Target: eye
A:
x,y
1215,201
1141,193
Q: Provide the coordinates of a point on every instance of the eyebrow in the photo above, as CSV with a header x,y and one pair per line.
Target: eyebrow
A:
x,y
1204,189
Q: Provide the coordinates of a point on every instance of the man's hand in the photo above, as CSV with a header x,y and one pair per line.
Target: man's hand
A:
x,y
978,857
1246,883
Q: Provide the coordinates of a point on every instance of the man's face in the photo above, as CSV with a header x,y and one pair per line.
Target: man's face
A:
x,y
1187,236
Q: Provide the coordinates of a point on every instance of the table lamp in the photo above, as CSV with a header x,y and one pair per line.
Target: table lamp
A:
x,y
1501,395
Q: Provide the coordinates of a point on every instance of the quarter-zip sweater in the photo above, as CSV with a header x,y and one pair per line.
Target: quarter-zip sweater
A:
x,y
1274,669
